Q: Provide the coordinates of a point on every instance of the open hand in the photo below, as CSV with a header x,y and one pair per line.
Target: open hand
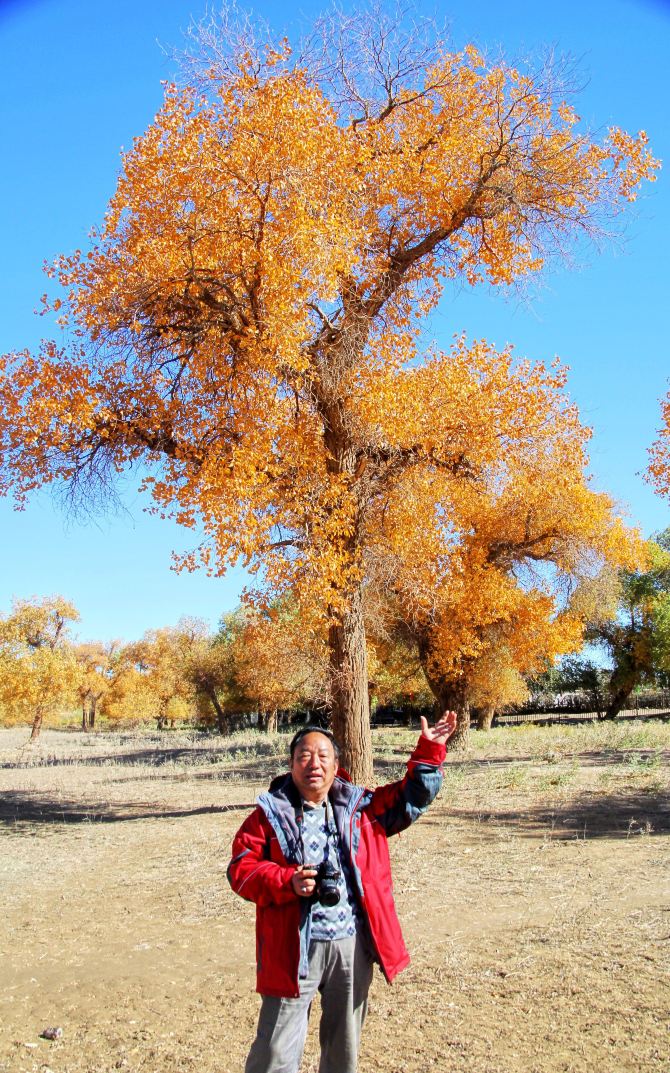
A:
x,y
442,730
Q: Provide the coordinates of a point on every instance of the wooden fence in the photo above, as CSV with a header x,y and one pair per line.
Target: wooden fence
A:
x,y
650,706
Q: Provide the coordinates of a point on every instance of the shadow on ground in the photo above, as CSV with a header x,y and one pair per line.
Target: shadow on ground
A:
x,y
151,757
599,758
587,815
20,808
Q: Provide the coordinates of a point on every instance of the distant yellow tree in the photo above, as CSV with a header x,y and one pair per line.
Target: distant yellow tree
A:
x,y
94,662
129,700
38,669
153,674
281,659
494,684
396,675
211,669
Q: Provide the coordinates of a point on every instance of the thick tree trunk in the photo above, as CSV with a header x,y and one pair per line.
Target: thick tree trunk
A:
x,y
451,697
221,717
450,694
349,691
84,717
92,713
619,696
485,717
271,721
37,726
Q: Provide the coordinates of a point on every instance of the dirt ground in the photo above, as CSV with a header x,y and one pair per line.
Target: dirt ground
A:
x,y
535,899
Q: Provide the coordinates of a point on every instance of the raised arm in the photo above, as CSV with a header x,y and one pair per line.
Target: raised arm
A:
x,y
399,804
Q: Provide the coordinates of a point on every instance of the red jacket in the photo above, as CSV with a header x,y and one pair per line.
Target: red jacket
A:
x,y
267,849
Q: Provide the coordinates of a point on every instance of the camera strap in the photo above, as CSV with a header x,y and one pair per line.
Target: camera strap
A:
x,y
331,828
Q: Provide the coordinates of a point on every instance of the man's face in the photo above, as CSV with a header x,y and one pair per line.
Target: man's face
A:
x,y
313,767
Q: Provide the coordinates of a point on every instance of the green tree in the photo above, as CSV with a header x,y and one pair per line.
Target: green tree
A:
x,y
637,639
572,674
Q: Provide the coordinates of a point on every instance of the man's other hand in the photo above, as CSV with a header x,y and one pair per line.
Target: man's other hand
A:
x,y
303,881
442,730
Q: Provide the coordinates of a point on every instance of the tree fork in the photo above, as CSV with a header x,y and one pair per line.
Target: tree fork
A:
x,y
221,717
620,694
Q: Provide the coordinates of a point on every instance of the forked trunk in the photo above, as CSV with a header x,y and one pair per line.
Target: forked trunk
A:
x,y
84,717
349,691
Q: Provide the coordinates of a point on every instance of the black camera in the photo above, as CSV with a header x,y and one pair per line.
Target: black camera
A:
x,y
327,877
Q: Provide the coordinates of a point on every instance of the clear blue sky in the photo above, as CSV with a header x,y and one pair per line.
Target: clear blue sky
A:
x,y
80,79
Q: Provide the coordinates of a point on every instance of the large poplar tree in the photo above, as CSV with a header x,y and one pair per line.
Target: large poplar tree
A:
x,y
245,318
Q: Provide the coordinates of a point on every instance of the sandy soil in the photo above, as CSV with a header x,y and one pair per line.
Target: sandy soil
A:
x,y
535,898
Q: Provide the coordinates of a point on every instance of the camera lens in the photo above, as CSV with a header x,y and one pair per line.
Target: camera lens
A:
x,y
327,880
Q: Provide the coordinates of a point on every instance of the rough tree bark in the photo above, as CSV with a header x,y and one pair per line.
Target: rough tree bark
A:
x,y
349,690
450,694
221,717
485,717
36,727
349,686
620,690
271,721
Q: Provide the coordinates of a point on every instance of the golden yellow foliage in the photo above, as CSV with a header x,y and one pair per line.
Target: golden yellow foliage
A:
x,y
658,472
395,672
130,700
95,669
481,564
38,669
151,677
281,658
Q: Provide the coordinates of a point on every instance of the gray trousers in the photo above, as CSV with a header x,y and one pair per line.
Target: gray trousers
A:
x,y
341,971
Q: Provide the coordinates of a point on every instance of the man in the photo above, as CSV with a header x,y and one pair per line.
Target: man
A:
x,y
313,856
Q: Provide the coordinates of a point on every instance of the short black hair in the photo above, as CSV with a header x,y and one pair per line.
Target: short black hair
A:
x,y
313,729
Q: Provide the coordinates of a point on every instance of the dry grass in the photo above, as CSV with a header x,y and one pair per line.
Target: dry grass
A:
x,y
534,897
